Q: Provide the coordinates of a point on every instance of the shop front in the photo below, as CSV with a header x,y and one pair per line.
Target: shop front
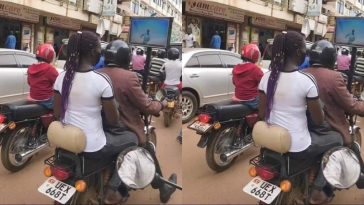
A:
x,y
206,18
20,21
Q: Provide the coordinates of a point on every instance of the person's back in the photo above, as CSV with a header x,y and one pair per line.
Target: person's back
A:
x,y
173,68
10,41
215,41
42,76
343,62
157,63
138,60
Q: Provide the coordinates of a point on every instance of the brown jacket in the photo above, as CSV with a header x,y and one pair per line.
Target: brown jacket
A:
x,y
132,100
337,100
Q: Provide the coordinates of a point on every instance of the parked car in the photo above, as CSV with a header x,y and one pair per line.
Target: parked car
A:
x,y
13,74
207,78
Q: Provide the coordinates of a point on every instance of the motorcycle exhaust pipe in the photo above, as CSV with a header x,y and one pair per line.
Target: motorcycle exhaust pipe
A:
x,y
230,155
29,153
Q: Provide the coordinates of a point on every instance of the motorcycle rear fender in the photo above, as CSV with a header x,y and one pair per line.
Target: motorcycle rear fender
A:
x,y
202,143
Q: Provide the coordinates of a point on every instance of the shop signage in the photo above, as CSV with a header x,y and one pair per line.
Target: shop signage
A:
x,y
269,23
314,7
118,19
109,8
298,6
19,12
323,19
63,22
206,8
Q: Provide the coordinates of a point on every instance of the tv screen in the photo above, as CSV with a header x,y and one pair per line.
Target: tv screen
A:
x,y
150,31
349,31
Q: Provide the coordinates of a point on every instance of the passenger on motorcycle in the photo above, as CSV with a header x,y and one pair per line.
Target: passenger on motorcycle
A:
x,y
173,69
42,75
246,77
80,95
132,102
157,63
285,95
332,87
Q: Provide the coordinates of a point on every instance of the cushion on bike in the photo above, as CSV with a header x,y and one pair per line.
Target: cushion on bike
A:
x,y
68,137
171,90
227,110
20,110
273,137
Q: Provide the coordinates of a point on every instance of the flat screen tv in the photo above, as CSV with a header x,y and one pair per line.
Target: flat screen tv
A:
x,y
150,31
349,31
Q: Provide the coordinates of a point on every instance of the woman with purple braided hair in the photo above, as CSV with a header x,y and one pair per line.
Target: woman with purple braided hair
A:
x,y
286,94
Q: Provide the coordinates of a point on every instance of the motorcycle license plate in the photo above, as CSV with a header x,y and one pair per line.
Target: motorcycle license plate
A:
x,y
170,104
200,126
57,190
262,190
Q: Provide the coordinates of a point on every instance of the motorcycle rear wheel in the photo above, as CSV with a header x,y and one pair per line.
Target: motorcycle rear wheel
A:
x,y
13,143
222,141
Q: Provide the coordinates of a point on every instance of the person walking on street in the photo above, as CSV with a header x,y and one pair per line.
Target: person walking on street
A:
x,y
10,41
215,41
189,39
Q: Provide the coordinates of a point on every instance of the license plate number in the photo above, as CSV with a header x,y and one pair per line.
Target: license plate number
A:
x,y
57,190
170,104
262,190
2,126
200,126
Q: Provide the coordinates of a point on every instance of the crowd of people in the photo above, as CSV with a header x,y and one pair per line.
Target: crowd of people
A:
x,y
115,90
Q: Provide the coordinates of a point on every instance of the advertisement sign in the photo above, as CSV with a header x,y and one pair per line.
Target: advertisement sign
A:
x,y
314,7
348,31
19,12
63,22
109,8
206,8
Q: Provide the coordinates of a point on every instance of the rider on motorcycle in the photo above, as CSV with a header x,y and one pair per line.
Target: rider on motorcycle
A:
x,y
332,87
173,69
246,77
157,63
285,95
132,102
42,75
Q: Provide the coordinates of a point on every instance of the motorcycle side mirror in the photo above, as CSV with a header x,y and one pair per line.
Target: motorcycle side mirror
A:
x,y
160,95
340,167
136,167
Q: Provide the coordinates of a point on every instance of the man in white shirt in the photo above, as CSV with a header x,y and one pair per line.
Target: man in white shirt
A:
x,y
189,39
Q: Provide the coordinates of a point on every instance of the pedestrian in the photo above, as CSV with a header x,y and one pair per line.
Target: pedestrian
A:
x,y
10,40
215,41
189,39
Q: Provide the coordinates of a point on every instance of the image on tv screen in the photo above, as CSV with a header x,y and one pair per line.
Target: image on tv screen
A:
x,y
153,32
349,31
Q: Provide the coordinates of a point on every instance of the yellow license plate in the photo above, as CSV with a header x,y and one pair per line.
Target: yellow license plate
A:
x,y
170,104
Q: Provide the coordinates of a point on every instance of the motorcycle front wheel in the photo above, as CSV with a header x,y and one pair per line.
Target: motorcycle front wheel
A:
x,y
221,143
14,143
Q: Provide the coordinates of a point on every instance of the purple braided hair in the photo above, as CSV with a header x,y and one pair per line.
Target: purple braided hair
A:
x,y
284,46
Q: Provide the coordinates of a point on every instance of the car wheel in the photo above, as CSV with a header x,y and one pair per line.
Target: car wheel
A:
x,y
189,106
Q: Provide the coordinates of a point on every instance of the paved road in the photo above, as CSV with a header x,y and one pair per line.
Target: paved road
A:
x,y
204,186
21,187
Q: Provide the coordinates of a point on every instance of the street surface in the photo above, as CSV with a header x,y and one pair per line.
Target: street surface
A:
x,y
21,187
204,186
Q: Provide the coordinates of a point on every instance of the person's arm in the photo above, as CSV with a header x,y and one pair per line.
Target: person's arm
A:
x,y
344,99
110,109
140,99
314,105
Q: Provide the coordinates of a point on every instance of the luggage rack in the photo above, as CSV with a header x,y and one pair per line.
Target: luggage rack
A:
x,y
258,161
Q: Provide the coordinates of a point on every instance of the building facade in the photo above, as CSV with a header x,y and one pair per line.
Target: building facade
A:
x,y
168,8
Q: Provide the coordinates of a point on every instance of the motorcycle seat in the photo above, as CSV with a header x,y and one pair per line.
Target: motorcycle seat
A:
x,y
227,110
172,90
24,109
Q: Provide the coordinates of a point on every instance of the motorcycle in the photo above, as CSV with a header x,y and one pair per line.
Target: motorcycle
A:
x,y
225,130
23,128
171,95
279,179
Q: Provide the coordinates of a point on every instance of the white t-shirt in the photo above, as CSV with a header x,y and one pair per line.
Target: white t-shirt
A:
x,y
173,72
84,105
289,105
189,40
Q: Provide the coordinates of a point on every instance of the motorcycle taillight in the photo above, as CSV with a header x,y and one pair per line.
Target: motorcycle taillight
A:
x,y
204,118
265,173
60,173
2,118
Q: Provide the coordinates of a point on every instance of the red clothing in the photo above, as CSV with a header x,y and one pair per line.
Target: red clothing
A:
x,y
246,78
41,77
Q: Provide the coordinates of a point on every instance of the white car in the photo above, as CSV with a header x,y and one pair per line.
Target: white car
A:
x,y
207,78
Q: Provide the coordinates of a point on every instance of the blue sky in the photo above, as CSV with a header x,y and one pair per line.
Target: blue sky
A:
x,y
158,30
345,26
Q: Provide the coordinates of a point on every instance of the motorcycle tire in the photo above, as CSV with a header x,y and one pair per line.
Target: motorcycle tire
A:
x,y
17,136
167,118
213,158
